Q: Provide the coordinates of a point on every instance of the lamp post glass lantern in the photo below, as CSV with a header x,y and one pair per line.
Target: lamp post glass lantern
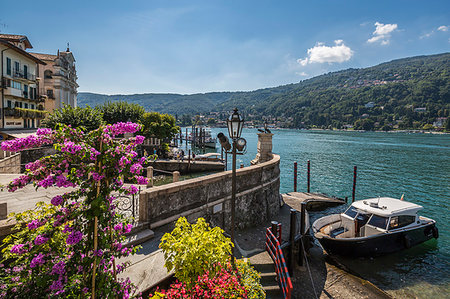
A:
x,y
235,124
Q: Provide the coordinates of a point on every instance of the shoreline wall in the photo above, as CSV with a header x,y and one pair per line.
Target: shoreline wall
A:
x,y
257,198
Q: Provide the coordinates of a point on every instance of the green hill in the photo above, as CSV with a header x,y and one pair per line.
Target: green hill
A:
x,y
395,89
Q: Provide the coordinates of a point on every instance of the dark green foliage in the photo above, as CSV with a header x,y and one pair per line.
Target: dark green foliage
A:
x,y
162,126
86,117
114,112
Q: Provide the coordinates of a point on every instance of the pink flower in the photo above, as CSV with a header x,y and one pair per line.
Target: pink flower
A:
x,y
141,180
59,268
118,227
44,131
37,260
19,249
57,200
97,177
34,224
139,139
136,168
128,228
122,128
40,240
74,238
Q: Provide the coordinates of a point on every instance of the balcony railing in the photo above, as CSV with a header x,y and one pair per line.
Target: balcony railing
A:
x,y
17,73
18,112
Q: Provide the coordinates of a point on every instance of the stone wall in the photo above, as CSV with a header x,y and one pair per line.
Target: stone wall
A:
x,y
257,198
10,162
33,154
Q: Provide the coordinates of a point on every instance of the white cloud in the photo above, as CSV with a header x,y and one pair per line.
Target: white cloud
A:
x,y
321,53
382,33
443,28
303,74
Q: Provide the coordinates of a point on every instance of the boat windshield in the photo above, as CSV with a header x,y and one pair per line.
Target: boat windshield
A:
x,y
351,212
378,221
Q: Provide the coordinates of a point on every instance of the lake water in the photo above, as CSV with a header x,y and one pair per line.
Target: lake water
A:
x,y
389,164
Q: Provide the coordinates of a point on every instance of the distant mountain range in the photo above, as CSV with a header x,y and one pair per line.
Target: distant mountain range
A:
x,y
384,95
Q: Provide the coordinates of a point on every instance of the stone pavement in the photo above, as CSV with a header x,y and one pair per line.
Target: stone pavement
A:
x,y
26,198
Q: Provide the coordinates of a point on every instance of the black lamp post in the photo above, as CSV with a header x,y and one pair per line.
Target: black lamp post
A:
x,y
235,124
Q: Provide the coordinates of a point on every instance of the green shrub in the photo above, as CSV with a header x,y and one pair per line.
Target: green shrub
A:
x,y
194,249
250,278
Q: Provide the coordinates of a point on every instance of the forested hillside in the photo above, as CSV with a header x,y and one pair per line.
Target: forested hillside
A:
x,y
405,93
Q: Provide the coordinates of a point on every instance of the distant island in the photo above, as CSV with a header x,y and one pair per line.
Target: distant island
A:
x,y
409,94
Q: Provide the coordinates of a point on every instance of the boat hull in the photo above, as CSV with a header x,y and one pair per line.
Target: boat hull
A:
x,y
379,244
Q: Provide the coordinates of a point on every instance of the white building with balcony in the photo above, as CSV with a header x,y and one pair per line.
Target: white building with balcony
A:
x,y
21,105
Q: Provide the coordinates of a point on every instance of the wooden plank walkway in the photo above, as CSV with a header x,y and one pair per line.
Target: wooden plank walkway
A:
x,y
314,201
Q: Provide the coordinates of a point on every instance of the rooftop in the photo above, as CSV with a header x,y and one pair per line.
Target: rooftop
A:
x,y
387,206
16,38
42,56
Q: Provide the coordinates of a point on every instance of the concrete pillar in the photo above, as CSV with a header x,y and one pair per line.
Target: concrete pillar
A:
x,y
264,148
176,176
150,176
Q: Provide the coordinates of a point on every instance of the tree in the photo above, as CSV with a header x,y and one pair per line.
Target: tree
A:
x,y
88,118
114,112
186,120
211,122
162,126
428,127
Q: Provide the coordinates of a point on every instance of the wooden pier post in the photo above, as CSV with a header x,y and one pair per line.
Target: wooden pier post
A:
x,y
302,229
291,242
354,184
295,176
186,136
309,177
189,160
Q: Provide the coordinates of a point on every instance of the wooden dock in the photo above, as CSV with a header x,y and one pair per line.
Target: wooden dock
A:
x,y
314,201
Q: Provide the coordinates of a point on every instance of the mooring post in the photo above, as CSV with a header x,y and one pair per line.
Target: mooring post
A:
x,y
295,176
346,199
189,160
274,227
302,233
291,242
149,176
242,165
354,184
309,176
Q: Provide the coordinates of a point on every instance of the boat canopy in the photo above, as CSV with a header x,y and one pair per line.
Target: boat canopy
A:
x,y
387,206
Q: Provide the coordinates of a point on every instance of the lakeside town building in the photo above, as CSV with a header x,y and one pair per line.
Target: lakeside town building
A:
x,y
58,79
21,105
33,84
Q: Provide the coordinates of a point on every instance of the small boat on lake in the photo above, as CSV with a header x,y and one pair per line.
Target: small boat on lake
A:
x,y
373,227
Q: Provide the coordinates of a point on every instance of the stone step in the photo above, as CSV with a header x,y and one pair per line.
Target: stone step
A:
x,y
268,278
263,263
138,237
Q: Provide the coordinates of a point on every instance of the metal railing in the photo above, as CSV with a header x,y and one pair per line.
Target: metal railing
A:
x,y
17,73
273,247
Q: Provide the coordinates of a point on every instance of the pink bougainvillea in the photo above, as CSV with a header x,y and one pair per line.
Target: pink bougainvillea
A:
x,y
61,256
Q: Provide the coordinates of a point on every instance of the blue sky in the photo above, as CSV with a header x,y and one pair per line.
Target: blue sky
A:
x,y
201,46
